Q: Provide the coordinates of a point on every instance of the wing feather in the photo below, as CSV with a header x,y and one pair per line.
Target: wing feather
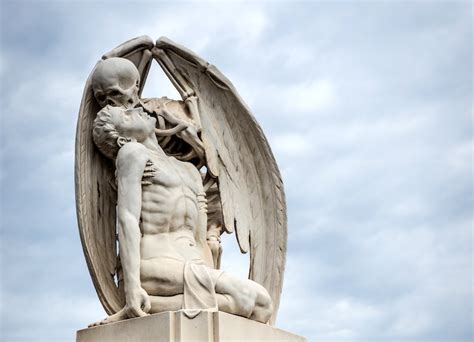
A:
x,y
237,152
95,194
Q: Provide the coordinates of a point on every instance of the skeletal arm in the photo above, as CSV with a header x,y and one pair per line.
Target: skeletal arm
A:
x,y
185,89
202,205
179,81
214,219
201,202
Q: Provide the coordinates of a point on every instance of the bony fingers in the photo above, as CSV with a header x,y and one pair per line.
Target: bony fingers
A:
x,y
148,174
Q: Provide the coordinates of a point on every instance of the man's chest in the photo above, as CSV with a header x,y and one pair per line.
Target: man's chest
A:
x,y
171,173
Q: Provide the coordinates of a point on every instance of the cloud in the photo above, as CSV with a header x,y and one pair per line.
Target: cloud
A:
x,y
368,109
190,28
66,314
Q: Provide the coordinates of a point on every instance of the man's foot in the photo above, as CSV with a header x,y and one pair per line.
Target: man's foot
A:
x,y
119,316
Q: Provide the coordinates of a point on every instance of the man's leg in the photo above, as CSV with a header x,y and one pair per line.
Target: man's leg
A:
x,y
166,303
242,297
263,304
120,315
162,277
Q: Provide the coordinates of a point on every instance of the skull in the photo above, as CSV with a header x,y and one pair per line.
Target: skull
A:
x,y
115,82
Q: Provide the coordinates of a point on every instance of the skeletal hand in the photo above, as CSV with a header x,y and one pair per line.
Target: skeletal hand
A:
x,y
149,172
216,249
190,135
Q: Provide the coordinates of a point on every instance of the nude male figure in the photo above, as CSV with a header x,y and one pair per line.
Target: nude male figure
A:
x,y
162,225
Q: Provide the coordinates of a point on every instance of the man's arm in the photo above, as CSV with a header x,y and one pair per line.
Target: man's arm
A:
x,y
131,162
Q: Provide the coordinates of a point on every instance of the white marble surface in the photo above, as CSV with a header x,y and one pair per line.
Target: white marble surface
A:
x,y
175,326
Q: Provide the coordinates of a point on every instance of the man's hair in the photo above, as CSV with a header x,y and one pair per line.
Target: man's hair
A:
x,y
105,134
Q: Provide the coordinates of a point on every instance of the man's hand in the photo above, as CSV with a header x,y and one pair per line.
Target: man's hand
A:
x,y
137,303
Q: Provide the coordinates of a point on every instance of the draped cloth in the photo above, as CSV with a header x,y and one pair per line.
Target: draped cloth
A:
x,y
199,289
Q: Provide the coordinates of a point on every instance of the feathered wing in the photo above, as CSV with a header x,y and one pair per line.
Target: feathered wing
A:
x,y
95,187
237,152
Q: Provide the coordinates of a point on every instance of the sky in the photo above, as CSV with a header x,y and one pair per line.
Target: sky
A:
x,y
366,105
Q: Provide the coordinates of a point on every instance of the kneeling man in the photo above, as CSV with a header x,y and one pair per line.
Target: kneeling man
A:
x,y
162,227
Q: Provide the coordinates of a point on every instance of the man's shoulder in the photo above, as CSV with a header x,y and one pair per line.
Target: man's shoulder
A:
x,y
132,152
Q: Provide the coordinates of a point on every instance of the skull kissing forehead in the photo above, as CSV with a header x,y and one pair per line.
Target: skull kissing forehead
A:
x,y
114,76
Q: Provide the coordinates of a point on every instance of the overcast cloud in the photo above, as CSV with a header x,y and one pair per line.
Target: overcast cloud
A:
x,y
368,109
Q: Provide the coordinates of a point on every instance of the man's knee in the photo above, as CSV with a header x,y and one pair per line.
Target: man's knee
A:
x,y
264,304
242,295
246,298
264,299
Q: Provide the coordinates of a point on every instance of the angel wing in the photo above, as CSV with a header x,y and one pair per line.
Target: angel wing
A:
x,y
95,194
249,183
238,154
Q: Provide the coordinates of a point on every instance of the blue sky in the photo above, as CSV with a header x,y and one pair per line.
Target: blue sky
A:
x,y
368,109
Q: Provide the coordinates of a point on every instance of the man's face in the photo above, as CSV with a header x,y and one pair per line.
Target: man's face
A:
x,y
134,123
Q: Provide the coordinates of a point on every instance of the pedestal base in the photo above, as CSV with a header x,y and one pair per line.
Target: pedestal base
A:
x,y
175,326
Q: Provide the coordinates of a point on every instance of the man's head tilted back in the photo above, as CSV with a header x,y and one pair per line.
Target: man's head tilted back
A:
x,y
105,134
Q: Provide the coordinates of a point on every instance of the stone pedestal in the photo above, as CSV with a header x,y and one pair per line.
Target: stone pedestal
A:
x,y
175,326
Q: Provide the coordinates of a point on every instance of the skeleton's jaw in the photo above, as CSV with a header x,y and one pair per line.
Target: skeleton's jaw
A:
x,y
124,102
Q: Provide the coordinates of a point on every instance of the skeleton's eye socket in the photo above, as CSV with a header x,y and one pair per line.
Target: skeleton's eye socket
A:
x,y
114,93
101,98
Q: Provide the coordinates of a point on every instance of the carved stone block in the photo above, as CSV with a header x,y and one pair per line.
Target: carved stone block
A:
x,y
175,326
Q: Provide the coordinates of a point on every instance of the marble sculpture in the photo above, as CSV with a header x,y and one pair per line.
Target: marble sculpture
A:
x,y
158,181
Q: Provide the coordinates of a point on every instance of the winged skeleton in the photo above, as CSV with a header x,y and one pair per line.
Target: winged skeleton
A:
x,y
210,127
